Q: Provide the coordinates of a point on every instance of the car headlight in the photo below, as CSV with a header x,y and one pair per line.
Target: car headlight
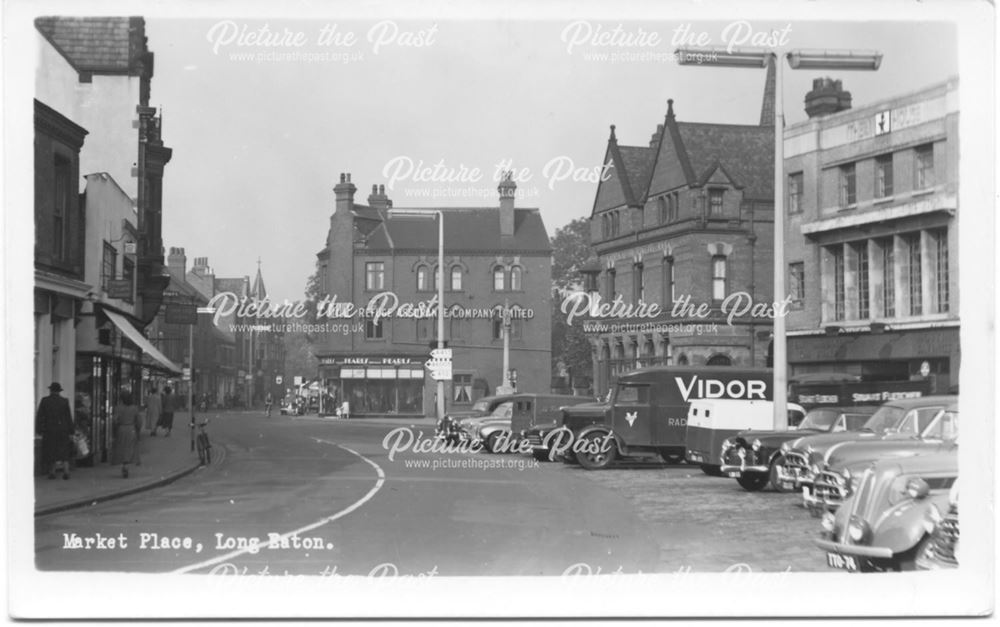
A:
x,y
828,522
858,531
756,445
917,488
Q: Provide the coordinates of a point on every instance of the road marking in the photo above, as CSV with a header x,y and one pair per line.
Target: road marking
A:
x,y
323,521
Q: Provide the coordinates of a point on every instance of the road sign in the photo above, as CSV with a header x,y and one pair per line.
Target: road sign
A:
x,y
185,374
298,380
441,353
440,368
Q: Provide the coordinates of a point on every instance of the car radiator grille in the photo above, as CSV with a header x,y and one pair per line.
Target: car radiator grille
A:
x,y
831,488
534,439
796,465
942,546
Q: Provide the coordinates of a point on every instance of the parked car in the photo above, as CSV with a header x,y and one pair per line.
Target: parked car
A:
x,y
804,458
836,481
942,550
883,526
754,457
537,413
573,420
467,429
447,427
649,407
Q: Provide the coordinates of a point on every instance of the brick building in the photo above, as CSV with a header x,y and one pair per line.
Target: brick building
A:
x,y
494,257
686,220
872,235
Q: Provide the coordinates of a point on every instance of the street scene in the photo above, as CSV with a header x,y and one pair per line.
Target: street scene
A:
x,y
373,298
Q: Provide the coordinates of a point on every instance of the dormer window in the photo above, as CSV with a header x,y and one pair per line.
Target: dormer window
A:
x,y
715,197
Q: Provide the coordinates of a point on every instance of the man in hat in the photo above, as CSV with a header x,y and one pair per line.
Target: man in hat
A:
x,y
55,422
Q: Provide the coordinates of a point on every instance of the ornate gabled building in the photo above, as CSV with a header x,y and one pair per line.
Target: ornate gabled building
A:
x,y
684,222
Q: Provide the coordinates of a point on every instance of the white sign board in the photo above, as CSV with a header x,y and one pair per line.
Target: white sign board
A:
x,y
440,368
441,353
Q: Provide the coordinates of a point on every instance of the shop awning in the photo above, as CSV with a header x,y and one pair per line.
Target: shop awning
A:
x,y
133,334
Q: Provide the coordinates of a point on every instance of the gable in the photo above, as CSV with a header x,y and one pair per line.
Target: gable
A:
x,y
669,170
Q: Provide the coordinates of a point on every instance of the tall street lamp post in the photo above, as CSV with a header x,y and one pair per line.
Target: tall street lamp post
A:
x,y
797,60
439,275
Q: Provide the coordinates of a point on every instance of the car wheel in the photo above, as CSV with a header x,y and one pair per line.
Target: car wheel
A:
x,y
711,470
540,455
593,455
907,560
775,483
753,481
569,457
491,443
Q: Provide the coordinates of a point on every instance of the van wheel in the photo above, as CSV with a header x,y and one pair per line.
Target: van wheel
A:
x,y
711,470
753,481
775,483
593,455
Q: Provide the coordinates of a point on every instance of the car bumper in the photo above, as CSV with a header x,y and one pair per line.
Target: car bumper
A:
x,y
738,470
870,552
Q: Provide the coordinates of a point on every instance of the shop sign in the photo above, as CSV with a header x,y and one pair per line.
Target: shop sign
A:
x,y
369,361
120,288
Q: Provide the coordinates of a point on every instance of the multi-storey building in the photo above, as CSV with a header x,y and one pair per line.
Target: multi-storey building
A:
x,y
496,258
685,222
872,235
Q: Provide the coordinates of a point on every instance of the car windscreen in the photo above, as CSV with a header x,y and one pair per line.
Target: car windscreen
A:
x,y
856,421
819,419
886,418
944,427
632,394
503,410
481,406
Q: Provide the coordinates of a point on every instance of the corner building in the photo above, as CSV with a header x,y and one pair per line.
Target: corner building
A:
x,y
688,221
494,257
872,236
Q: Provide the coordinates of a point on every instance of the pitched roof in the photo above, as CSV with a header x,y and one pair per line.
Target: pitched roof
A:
x,y
237,286
98,44
746,153
469,229
639,165
258,291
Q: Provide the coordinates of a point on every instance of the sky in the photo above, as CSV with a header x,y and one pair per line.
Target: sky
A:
x,y
259,142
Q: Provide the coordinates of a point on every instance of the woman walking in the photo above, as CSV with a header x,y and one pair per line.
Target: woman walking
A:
x,y
127,425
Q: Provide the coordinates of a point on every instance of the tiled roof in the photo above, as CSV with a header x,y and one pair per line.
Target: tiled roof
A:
x,y
639,165
745,152
97,44
236,286
465,229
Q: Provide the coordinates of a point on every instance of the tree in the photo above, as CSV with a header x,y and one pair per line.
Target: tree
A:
x,y
299,357
570,347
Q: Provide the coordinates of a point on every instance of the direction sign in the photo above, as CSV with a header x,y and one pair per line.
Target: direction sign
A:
x,y
441,353
440,368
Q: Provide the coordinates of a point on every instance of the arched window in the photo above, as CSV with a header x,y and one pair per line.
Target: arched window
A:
x,y
456,278
682,360
437,277
515,279
661,209
422,279
718,277
498,279
719,359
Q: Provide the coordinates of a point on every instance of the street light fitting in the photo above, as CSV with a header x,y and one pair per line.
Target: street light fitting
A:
x,y
720,56
414,213
869,60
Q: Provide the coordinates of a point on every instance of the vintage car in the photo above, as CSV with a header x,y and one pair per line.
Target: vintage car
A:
x,y
942,549
885,524
573,420
447,427
531,411
753,458
844,461
468,429
804,458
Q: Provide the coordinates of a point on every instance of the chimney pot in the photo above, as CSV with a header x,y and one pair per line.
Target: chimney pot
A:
x,y
827,96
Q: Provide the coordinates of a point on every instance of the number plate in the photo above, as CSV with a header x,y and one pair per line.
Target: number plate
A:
x,y
842,562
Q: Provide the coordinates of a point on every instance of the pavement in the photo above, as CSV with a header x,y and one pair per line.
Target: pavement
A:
x,y
164,460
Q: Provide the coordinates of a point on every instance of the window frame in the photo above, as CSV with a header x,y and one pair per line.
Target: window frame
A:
x,y
847,187
374,270
883,177
516,279
716,209
924,177
796,188
374,332
499,272
797,281
720,261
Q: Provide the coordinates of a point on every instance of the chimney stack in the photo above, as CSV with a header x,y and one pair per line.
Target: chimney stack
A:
x,y
654,140
344,192
377,199
177,263
507,190
827,96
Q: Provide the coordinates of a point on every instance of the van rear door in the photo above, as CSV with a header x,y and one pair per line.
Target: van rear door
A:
x,y
632,415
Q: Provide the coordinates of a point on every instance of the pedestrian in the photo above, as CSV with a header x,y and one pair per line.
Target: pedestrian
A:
x,y
268,401
127,426
54,421
168,405
154,409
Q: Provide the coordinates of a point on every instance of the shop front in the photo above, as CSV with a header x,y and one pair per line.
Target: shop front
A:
x,y
376,384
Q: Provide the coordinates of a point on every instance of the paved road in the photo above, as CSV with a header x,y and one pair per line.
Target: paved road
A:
x,y
331,501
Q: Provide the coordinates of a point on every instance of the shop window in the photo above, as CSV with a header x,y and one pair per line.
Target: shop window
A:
x,y
375,275
795,187
883,176
848,186
462,388
924,163
456,278
374,330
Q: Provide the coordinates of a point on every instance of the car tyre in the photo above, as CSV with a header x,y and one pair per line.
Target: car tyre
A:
x,y
753,481
907,560
596,460
775,483
540,455
491,443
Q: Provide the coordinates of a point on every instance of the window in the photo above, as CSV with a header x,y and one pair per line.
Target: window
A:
x,y
675,207
128,273
668,281
611,284
516,328
515,279
605,228
883,176
924,159
424,328
888,278
915,278
638,283
795,193
718,278
615,223
60,214
437,277
797,281
421,279
715,202
462,388
375,275
661,209
848,188
941,269
838,282
864,308
456,328
109,265
374,331
499,279
456,278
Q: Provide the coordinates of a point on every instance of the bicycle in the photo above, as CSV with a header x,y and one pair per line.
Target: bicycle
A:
x,y
203,444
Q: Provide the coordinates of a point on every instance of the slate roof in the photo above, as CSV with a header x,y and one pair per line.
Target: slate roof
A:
x,y
466,229
746,153
236,286
98,44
